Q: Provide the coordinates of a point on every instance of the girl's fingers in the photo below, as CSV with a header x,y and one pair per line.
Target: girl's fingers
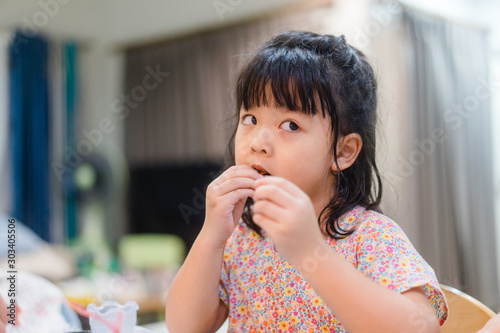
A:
x,y
273,193
287,186
269,210
241,176
263,221
234,184
238,171
239,194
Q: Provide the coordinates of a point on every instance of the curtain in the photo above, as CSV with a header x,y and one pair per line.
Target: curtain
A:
x,y
38,99
29,131
451,152
175,121
57,82
5,153
178,95
70,62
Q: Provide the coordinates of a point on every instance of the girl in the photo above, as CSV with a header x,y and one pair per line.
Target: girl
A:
x,y
309,251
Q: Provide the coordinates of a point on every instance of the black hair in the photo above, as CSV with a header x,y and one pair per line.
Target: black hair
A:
x,y
301,69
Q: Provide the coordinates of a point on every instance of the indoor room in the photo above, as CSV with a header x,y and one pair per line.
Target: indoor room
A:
x,y
124,123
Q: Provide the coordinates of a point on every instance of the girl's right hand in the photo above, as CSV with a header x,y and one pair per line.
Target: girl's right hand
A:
x,y
226,197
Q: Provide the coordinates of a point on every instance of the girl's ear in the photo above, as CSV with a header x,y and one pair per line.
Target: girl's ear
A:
x,y
348,150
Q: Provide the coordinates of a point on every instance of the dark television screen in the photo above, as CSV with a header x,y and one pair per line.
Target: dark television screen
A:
x,y
170,199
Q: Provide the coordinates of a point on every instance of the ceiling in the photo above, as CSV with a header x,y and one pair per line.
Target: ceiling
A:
x,y
130,21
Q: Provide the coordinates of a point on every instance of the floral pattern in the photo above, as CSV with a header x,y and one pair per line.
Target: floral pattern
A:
x,y
266,294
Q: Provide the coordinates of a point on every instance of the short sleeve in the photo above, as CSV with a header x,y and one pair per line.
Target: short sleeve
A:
x,y
385,254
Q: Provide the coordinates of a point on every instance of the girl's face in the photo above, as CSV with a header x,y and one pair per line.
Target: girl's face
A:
x,y
288,144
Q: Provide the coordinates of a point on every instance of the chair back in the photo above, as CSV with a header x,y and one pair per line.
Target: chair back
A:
x,y
465,313
157,257
149,251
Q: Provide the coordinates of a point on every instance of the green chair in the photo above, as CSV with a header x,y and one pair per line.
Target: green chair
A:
x,y
150,251
157,257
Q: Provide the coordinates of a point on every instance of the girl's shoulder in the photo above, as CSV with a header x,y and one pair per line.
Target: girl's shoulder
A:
x,y
371,224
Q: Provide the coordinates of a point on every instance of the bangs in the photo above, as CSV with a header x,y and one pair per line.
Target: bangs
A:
x,y
292,78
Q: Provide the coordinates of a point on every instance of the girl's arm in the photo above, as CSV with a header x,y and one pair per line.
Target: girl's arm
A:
x,y
492,326
361,304
287,214
193,303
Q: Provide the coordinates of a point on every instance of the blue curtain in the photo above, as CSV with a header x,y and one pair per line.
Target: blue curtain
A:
x,y
29,107
70,57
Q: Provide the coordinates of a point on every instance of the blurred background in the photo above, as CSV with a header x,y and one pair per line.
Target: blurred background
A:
x,y
115,116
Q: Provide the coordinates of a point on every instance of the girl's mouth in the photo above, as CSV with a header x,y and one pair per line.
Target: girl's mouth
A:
x,y
260,170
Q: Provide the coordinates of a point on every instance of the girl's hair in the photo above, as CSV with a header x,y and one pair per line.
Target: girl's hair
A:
x,y
304,69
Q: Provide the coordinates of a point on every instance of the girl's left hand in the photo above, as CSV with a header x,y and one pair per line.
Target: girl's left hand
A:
x,y
287,215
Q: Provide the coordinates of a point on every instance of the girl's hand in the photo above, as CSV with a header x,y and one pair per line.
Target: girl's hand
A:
x,y
226,197
287,215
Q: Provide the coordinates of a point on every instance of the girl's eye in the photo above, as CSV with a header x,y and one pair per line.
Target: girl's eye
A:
x,y
249,120
290,126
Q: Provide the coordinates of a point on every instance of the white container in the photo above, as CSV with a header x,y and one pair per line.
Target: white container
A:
x,y
112,317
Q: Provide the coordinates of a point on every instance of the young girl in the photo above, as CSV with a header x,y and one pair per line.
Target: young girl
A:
x,y
308,251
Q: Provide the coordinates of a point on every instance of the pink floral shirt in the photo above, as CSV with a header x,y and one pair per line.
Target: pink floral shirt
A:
x,y
266,294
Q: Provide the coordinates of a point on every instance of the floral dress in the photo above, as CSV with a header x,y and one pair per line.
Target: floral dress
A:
x,y
266,294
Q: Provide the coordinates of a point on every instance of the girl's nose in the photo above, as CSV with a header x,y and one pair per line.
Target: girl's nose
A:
x,y
262,141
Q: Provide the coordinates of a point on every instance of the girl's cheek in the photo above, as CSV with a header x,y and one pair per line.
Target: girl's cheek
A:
x,y
240,144
238,155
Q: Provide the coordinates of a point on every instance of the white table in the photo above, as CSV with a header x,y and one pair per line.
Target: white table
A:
x,y
160,327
